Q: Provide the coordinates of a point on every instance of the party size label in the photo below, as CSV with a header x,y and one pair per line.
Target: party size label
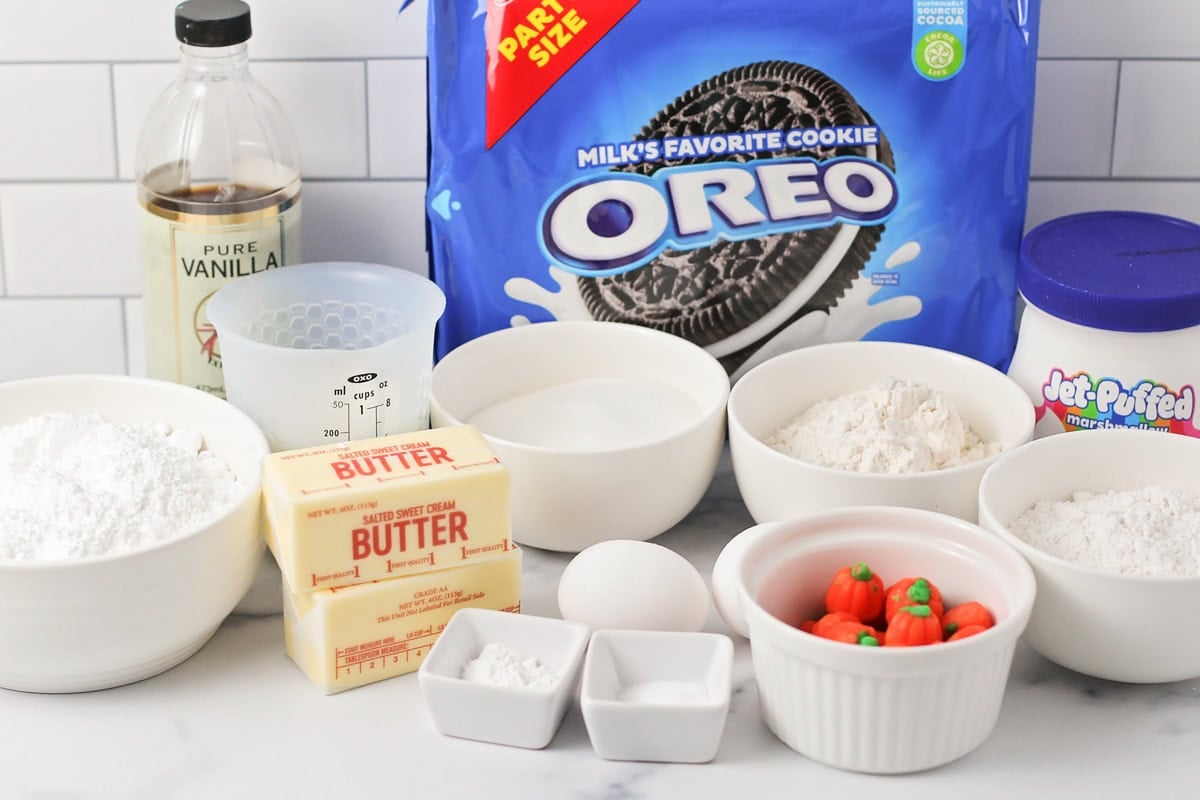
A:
x,y
531,44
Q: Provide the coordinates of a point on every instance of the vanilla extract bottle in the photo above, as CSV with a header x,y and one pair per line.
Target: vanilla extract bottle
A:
x,y
218,182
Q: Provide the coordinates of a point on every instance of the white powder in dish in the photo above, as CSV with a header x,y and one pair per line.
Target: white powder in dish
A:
x,y
499,665
893,426
670,692
1152,531
590,414
73,486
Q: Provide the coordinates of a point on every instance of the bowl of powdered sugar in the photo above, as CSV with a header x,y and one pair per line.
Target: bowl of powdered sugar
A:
x,y
871,423
1110,522
128,527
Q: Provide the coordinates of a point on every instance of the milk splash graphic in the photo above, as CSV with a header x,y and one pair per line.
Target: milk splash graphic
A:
x,y
852,318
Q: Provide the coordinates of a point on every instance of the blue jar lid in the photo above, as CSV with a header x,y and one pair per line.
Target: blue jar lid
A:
x,y
1116,270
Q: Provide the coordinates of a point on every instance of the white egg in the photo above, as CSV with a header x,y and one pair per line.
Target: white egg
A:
x,y
634,585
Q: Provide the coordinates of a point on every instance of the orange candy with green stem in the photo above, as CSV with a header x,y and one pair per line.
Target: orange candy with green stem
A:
x,y
965,631
912,592
912,626
856,590
843,627
963,615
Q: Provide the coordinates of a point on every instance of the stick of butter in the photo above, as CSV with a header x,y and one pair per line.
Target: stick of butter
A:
x,y
352,636
337,515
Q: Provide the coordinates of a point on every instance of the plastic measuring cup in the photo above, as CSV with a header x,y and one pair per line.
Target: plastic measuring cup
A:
x,y
328,352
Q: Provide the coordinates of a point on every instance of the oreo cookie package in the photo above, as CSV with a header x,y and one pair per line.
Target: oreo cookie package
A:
x,y
753,176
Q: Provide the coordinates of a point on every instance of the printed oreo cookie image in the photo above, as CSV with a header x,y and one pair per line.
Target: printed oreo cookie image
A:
x,y
732,294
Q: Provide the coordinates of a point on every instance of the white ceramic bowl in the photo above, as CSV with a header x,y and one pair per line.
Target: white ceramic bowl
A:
x,y
777,486
874,709
97,622
518,716
1129,628
656,695
609,431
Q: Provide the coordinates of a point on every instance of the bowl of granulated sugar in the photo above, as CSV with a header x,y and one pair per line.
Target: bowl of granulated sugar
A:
x,y
871,423
1109,521
609,430
128,527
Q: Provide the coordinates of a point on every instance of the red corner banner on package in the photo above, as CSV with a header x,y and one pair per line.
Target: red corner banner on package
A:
x,y
531,44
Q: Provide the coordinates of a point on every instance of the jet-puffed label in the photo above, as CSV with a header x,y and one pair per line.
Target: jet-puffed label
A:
x,y
1084,402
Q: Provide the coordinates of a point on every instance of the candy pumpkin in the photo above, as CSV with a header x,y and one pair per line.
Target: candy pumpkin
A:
x,y
913,625
819,627
965,631
966,614
912,592
856,590
843,627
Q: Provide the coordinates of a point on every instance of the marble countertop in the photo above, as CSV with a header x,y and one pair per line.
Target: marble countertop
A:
x,y
239,720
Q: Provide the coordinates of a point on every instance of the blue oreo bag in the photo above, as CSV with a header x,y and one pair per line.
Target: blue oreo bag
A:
x,y
754,176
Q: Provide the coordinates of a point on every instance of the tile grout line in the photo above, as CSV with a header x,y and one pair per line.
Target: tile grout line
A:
x,y
1112,144
124,334
112,110
367,114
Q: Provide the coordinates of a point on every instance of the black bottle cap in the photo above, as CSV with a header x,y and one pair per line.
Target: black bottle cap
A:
x,y
212,23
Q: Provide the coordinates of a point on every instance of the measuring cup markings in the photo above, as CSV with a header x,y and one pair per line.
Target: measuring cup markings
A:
x,y
368,398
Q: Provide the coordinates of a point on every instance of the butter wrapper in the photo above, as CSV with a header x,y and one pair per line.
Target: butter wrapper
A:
x,y
351,636
339,515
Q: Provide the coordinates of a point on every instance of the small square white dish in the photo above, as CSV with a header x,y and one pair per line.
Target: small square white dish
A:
x,y
656,695
503,711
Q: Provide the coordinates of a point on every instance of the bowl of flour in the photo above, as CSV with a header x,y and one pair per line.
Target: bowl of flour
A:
x,y
128,527
871,423
1109,520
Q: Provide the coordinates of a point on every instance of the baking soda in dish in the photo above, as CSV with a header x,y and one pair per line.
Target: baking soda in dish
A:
x,y
664,692
893,426
500,665
73,486
590,414
1152,531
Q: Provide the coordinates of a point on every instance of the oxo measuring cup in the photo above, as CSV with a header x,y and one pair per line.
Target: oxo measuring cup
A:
x,y
328,352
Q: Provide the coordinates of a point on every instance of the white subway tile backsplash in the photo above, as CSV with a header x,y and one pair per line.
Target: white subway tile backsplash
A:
x,y
135,88
77,78
1158,120
396,97
86,31
1120,29
1050,199
144,30
325,102
55,121
1073,118
375,221
135,338
58,336
347,29
63,239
